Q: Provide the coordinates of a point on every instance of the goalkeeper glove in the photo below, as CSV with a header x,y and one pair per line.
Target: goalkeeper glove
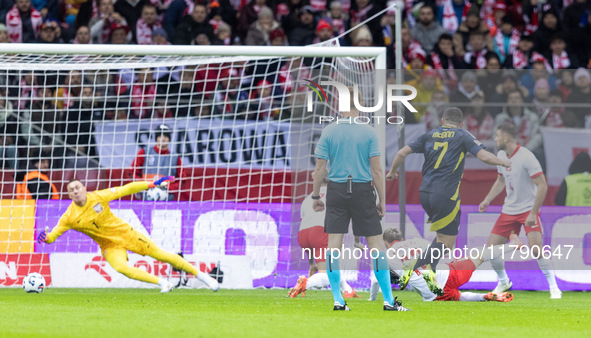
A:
x,y
161,182
42,236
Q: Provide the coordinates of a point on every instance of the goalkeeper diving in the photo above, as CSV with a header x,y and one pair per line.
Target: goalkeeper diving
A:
x,y
90,214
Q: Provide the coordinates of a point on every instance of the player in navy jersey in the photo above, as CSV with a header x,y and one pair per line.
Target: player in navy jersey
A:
x,y
445,150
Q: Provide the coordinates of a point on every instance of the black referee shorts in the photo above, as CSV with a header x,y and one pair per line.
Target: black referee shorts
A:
x,y
359,206
444,213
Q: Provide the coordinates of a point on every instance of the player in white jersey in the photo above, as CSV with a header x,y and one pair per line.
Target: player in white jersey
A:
x,y
526,189
451,275
314,241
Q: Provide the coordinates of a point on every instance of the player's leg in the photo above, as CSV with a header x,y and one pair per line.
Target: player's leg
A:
x,y
336,225
444,215
494,252
180,263
117,258
535,241
502,230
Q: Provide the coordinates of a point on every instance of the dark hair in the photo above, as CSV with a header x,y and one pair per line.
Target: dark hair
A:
x,y
391,235
516,91
491,55
557,37
453,115
508,129
73,180
444,36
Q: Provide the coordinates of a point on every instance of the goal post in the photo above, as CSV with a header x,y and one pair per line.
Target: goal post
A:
x,y
234,115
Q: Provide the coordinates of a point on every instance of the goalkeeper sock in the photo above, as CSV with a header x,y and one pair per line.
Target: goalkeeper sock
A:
x,y
547,269
382,273
427,258
334,276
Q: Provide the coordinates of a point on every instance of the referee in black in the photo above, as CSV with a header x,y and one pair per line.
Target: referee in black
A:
x,y
354,156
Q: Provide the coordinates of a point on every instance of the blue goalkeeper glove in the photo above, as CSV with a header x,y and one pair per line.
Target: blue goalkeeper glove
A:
x,y
42,236
162,182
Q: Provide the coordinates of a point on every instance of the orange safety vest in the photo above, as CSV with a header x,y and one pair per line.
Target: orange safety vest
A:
x,y
23,193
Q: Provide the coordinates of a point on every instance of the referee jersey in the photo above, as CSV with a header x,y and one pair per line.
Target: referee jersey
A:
x,y
348,148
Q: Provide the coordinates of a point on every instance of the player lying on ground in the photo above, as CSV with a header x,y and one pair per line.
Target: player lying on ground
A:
x,y
313,240
451,278
90,214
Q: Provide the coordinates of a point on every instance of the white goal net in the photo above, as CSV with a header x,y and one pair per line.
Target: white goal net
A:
x,y
232,124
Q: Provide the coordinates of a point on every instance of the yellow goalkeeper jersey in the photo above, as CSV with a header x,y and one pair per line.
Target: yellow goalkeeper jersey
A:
x,y
95,218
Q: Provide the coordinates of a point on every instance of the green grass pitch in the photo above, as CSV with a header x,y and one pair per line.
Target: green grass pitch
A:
x,y
268,313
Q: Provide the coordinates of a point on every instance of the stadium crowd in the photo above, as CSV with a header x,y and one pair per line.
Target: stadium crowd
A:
x,y
523,62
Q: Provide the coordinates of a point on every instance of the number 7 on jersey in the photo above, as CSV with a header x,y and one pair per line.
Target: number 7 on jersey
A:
x,y
436,146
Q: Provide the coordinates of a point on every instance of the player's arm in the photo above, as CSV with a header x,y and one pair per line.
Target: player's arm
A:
x,y
136,169
59,230
133,188
540,182
378,181
398,159
489,158
495,190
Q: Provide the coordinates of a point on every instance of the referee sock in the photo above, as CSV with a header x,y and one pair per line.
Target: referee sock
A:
x,y
382,272
334,277
427,257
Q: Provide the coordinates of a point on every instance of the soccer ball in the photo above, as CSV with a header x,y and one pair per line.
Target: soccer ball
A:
x,y
156,194
34,283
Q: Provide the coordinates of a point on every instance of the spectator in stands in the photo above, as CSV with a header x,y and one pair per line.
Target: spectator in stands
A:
x,y
70,90
362,10
277,37
72,7
79,121
435,109
417,63
146,24
566,82
549,27
426,86
41,124
467,88
387,23
323,32
531,12
5,6
248,15
201,40
540,69
427,30
363,38
541,96
50,33
186,92
23,22
473,23
82,36
119,34
506,38
4,38
558,57
228,96
304,32
223,34
575,189
258,32
158,161
159,37
554,117
475,58
452,13
408,45
36,184
143,94
101,24
507,84
525,121
289,14
131,10
193,25
581,95
478,121
445,61
489,77
8,151
521,57
339,20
